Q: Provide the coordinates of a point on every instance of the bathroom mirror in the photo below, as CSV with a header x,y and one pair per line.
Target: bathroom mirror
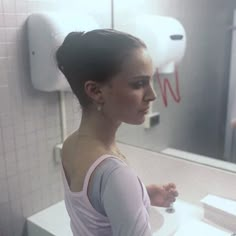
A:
x,y
198,125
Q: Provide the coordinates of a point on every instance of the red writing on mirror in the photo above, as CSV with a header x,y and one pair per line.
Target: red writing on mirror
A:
x,y
165,84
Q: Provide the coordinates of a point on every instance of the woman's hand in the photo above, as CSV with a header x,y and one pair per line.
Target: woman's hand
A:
x,y
162,196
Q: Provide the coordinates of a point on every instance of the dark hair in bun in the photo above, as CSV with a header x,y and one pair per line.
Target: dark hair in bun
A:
x,y
94,55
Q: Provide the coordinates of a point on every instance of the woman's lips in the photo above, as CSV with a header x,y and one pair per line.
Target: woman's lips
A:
x,y
145,110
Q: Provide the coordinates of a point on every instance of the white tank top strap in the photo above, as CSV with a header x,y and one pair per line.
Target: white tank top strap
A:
x,y
91,169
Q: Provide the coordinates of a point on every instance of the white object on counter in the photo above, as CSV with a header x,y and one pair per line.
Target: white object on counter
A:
x,y
221,211
199,228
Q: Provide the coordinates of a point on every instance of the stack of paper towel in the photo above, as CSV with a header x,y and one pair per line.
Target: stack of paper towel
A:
x,y
220,211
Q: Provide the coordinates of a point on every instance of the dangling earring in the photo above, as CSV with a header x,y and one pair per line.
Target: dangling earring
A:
x,y
99,108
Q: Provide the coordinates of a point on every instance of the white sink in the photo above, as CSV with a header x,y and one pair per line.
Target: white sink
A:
x,y
162,222
55,221
186,220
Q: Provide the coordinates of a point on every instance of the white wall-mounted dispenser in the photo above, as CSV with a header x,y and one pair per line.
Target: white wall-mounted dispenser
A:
x,y
164,36
46,32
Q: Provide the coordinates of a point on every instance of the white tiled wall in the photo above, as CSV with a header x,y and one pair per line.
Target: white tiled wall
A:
x,y
29,119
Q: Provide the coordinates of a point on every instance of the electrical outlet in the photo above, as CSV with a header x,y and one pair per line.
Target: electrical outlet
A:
x,y
151,120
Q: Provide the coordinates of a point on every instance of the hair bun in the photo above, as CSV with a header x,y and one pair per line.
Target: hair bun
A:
x,y
65,52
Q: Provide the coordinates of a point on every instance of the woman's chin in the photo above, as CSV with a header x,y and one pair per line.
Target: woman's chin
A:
x,y
136,121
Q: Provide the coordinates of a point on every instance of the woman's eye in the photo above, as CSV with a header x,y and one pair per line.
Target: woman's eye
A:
x,y
139,84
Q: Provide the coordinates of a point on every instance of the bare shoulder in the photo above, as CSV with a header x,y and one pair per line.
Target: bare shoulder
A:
x,y
80,149
77,157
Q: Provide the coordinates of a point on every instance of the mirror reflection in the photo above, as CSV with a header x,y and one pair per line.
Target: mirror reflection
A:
x,y
198,116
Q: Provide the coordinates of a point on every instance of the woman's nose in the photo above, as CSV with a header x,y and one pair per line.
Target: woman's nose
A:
x,y
151,94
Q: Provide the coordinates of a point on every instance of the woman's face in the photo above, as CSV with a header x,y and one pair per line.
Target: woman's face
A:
x,y
128,96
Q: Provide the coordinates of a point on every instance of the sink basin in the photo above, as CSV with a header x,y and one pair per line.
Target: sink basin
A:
x,y
55,220
47,222
162,222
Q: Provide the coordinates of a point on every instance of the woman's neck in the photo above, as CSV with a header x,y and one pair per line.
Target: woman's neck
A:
x,y
96,126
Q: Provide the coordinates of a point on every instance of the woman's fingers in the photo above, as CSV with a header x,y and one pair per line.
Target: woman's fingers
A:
x,y
174,192
169,201
169,186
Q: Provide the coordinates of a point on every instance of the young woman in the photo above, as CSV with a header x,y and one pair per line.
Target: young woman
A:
x,y
110,73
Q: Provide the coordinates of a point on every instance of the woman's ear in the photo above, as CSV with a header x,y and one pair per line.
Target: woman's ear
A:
x,y
94,91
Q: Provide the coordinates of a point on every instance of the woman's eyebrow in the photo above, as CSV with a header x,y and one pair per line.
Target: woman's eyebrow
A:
x,y
145,77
